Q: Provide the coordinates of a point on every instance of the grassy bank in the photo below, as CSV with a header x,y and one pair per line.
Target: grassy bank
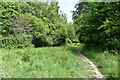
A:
x,y
106,61
46,62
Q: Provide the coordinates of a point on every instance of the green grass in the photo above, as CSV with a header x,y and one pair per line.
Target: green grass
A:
x,y
106,61
57,62
46,62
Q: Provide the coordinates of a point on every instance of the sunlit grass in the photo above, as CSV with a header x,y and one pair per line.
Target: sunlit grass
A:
x,y
57,62
106,61
46,62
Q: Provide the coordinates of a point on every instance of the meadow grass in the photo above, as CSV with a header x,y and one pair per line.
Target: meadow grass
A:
x,y
45,62
57,62
106,61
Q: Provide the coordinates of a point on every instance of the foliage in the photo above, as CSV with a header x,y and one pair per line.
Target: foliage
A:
x,y
98,23
35,8
29,24
53,12
20,33
41,20
17,41
21,24
71,32
41,29
63,16
48,34
42,9
9,9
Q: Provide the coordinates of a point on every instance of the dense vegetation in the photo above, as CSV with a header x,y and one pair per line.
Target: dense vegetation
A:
x,y
99,23
40,22
29,25
98,26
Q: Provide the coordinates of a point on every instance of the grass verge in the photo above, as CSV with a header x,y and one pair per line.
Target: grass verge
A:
x,y
106,61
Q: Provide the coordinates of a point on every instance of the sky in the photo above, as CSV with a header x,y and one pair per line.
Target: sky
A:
x,y
67,6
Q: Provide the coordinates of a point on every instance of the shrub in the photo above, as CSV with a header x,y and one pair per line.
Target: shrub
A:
x,y
46,33
8,10
71,32
19,32
98,24
21,24
17,41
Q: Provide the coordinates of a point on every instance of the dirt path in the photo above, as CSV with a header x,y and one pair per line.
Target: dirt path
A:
x,y
93,66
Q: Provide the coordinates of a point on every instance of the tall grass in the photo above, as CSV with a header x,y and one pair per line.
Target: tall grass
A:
x,y
106,61
57,62
46,62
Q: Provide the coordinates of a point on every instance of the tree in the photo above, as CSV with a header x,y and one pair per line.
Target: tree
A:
x,y
9,9
98,24
63,16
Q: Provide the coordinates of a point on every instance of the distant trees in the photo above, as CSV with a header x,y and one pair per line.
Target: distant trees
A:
x,y
38,21
98,23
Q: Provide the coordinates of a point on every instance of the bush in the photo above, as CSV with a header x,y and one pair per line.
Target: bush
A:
x,y
46,33
71,32
19,32
99,24
21,24
17,41
8,10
